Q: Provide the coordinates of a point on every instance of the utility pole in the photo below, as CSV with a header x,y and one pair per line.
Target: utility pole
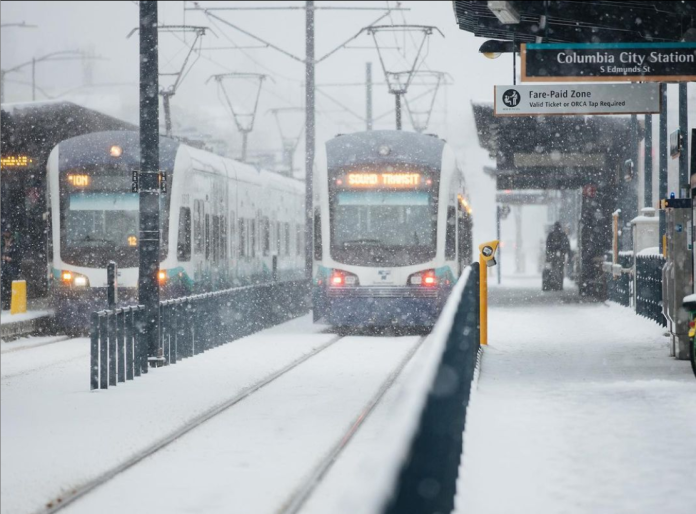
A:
x,y
149,243
368,91
684,179
648,168
33,79
663,163
397,97
309,138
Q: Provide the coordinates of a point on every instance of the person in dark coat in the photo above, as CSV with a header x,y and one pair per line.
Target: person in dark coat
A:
x,y
10,267
557,247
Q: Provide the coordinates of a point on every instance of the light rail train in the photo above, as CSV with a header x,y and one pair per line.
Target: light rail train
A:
x,y
392,229
224,223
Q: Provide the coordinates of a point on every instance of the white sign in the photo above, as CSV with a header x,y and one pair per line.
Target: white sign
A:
x,y
560,99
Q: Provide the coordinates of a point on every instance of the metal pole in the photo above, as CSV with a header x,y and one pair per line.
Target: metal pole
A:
x,y
514,63
519,252
167,114
684,179
663,162
149,245
245,136
497,236
368,90
2,86
309,135
33,79
398,110
647,179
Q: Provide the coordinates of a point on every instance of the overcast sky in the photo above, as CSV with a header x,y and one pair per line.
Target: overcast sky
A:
x,y
102,29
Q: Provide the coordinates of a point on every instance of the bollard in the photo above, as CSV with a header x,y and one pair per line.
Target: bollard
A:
x,y
112,284
18,303
486,260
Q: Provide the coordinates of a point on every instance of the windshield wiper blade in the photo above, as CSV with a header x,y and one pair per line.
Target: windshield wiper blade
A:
x,y
362,241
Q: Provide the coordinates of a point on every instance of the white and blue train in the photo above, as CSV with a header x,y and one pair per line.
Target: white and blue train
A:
x,y
392,229
224,223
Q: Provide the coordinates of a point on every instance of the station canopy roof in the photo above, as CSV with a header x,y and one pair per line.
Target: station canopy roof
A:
x,y
579,21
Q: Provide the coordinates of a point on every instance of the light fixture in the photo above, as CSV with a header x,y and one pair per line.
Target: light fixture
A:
x,y
384,150
115,151
505,12
494,48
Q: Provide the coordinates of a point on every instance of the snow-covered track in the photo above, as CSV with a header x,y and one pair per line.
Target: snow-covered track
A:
x,y
59,503
307,487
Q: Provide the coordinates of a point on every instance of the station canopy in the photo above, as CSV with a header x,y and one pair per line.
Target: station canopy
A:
x,y
579,21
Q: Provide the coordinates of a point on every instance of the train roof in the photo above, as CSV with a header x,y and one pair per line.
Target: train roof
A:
x,y
382,147
94,148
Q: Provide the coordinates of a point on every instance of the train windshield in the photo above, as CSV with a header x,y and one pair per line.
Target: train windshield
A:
x,y
387,228
97,219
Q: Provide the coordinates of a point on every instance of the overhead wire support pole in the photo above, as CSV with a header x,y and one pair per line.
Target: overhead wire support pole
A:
x,y
663,164
309,138
684,179
149,241
368,93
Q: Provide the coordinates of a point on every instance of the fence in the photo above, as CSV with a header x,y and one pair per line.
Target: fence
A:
x,y
649,287
434,452
188,326
619,287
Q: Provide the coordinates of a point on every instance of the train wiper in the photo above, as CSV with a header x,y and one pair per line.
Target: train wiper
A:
x,y
362,241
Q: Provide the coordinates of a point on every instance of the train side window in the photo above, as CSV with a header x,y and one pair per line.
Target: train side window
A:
x,y
318,248
253,238
242,238
298,236
450,234
233,233
183,248
287,239
215,243
278,238
223,237
207,237
198,225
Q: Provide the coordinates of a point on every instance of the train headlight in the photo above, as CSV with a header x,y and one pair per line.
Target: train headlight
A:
x,y
115,151
161,277
72,279
384,150
341,278
425,278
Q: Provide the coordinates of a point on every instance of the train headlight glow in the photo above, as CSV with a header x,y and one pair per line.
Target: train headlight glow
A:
x,y
384,150
425,278
162,277
343,278
80,281
66,276
115,151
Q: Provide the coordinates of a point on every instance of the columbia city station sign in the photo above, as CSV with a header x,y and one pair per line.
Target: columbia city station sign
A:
x,y
610,62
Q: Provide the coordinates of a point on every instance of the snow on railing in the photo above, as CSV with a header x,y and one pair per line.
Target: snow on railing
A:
x,y
188,326
413,465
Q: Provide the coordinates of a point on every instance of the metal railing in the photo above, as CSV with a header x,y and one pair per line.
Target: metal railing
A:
x,y
649,287
436,447
188,326
619,286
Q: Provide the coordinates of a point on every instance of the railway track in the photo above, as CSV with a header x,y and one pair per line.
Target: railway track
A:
x,y
301,492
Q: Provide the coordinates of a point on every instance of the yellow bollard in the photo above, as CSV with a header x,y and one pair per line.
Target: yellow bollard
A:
x,y
19,297
486,260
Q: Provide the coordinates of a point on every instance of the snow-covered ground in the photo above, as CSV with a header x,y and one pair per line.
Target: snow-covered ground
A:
x,y
578,409
57,435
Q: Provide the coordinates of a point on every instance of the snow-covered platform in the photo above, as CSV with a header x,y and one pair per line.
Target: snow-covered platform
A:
x,y
13,325
578,409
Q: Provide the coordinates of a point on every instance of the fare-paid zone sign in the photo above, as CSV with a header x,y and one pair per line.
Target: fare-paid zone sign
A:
x,y
612,62
560,99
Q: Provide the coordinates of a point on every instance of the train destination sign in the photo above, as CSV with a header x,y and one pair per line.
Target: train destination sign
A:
x,y
611,62
570,99
371,179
